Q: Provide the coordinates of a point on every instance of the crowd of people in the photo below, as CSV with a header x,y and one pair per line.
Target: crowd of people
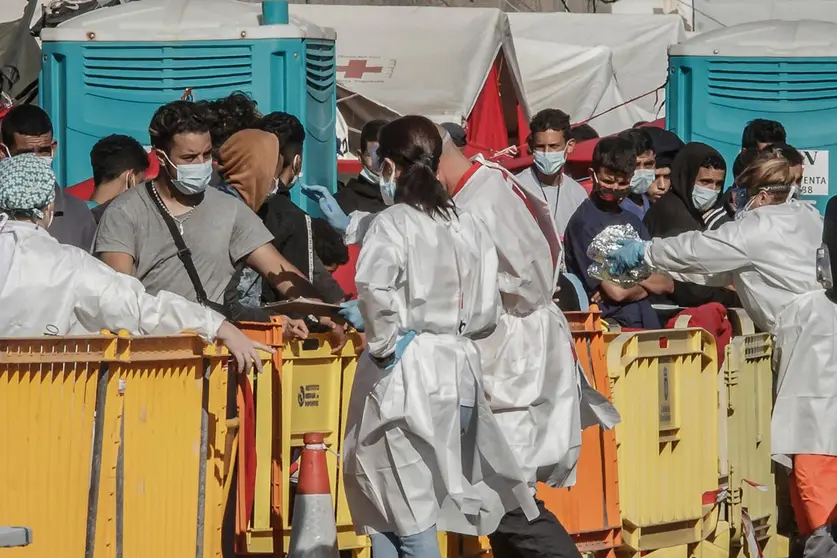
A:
x,y
469,392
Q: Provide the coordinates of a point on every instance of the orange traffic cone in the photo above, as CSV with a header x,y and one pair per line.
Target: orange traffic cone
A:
x,y
314,533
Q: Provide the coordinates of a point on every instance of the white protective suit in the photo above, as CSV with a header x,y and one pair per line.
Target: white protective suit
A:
x,y
769,255
406,464
530,373
50,288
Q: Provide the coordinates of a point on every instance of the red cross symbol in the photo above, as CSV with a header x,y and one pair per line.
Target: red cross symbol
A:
x,y
356,68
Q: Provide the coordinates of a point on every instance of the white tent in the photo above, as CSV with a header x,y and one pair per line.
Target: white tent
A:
x,y
395,60
586,64
717,14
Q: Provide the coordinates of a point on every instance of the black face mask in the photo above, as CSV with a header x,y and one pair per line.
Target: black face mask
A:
x,y
609,196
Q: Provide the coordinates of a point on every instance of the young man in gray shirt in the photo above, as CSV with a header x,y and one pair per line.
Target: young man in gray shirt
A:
x,y
218,230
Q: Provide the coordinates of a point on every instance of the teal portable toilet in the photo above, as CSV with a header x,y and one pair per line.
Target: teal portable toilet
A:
x,y
107,71
779,70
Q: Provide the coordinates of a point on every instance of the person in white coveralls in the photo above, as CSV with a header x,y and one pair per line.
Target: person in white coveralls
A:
x,y
769,253
47,288
423,450
530,375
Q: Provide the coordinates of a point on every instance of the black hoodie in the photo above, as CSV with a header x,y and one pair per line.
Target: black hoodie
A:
x,y
360,195
675,213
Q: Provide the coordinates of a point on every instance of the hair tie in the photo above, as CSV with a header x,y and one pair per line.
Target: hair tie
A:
x,y
425,159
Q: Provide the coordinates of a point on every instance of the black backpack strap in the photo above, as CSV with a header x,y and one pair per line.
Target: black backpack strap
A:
x,y
183,251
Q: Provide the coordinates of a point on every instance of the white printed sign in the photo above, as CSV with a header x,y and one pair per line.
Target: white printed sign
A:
x,y
815,175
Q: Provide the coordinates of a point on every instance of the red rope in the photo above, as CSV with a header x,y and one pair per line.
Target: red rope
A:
x,y
494,152
656,93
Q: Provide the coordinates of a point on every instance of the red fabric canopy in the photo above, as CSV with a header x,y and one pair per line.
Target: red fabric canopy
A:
x,y
486,129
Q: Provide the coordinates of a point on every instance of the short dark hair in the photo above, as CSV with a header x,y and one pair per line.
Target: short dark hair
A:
x,y
761,130
413,143
26,120
583,132
550,119
714,161
789,152
640,139
113,155
328,244
290,132
229,115
177,117
370,132
744,159
616,155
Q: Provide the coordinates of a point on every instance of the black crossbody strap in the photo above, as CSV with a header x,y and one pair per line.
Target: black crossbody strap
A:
x,y
183,251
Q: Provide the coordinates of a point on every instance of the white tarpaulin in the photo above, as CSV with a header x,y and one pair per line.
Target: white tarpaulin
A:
x,y
716,14
20,53
395,60
586,64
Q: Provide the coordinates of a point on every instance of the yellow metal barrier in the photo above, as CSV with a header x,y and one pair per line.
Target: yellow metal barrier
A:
x,y
48,397
175,406
748,396
115,445
664,384
309,394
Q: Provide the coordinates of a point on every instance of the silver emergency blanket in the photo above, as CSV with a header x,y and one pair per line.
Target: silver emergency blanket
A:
x,y
603,245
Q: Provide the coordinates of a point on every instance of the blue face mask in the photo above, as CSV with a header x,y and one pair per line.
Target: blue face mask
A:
x,y
387,186
703,198
550,163
191,179
642,180
387,190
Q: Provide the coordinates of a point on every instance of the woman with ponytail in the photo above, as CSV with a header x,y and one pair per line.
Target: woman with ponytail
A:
x,y
422,450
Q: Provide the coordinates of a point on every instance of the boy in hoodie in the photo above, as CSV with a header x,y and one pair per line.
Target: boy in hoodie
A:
x,y
697,181
614,162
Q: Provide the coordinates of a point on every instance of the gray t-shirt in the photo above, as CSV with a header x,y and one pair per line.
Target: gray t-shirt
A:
x,y
219,232
563,200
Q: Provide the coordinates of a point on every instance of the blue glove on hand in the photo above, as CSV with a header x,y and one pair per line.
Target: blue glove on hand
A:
x,y
401,346
351,313
335,216
626,258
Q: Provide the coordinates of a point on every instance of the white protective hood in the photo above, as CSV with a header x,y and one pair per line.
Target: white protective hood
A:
x,y
585,64
396,60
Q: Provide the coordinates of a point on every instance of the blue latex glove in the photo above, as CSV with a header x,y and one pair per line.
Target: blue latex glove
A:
x,y
401,346
335,216
626,258
351,313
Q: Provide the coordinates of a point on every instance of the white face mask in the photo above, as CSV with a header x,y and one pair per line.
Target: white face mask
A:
x,y
275,189
550,162
191,179
298,176
703,197
369,176
642,181
387,189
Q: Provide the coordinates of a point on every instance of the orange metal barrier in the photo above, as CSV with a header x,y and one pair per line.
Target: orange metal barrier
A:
x,y
590,509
